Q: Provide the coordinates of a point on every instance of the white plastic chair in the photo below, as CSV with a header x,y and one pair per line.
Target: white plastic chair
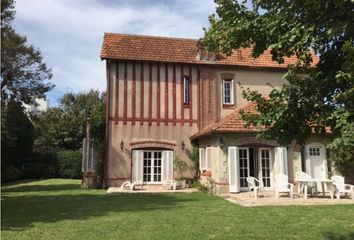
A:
x,y
341,187
282,185
305,176
131,185
169,184
255,185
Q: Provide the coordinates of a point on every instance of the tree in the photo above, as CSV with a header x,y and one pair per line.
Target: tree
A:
x,y
16,141
316,94
64,127
22,81
23,73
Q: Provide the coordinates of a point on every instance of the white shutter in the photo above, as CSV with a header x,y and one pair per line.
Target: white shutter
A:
x,y
208,158
307,160
234,179
201,158
137,168
324,164
281,160
167,165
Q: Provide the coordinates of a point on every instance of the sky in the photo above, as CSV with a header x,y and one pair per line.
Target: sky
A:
x,y
69,33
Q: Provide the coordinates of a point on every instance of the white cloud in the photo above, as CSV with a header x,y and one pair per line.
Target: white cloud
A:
x,y
69,33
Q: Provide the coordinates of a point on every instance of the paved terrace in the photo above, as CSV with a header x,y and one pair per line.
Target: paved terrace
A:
x,y
149,189
246,199
268,199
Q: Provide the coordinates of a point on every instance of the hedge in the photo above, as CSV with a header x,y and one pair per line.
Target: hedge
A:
x,y
70,163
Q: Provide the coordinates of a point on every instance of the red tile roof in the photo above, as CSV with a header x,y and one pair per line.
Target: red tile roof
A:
x,y
231,123
234,123
179,50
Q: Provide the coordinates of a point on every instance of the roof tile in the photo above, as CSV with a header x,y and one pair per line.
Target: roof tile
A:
x,y
180,50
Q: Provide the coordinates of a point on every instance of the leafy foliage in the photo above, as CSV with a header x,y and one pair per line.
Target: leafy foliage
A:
x,y
16,140
98,124
23,72
180,167
23,76
69,163
316,94
43,164
64,127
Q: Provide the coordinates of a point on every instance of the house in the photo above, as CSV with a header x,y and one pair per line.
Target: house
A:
x,y
41,105
165,93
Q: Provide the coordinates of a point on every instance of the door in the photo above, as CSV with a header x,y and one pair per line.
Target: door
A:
x,y
316,163
243,160
265,163
152,166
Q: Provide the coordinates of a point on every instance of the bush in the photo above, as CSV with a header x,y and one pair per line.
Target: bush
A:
x,y
11,174
42,165
207,187
70,163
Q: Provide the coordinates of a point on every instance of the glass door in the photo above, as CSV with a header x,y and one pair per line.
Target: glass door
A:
x,y
152,165
265,166
244,167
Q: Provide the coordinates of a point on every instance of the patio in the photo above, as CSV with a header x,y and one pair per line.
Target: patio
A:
x,y
149,189
268,199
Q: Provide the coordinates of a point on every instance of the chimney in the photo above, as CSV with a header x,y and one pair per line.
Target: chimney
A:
x,y
200,51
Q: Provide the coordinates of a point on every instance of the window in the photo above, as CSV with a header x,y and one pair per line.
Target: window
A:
x,y
228,92
186,90
314,151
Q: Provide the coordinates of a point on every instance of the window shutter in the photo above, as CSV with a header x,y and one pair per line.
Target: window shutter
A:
x,y
137,168
324,164
201,158
232,92
208,158
281,160
234,171
167,165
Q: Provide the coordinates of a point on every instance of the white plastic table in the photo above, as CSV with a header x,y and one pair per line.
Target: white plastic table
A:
x,y
306,182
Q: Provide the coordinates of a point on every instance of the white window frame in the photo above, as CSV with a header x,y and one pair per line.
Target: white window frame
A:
x,y
186,89
231,91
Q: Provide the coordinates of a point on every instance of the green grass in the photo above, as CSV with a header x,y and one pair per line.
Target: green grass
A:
x,y
59,209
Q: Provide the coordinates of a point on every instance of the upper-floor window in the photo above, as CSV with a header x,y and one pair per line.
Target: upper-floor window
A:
x,y
186,90
228,92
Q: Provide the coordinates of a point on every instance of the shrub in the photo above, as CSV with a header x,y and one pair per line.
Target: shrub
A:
x,y
42,165
70,163
207,187
180,167
11,174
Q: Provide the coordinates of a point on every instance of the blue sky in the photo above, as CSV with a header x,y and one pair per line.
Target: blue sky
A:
x,y
69,33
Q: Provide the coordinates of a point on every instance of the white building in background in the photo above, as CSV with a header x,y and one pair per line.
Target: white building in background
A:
x,y
41,105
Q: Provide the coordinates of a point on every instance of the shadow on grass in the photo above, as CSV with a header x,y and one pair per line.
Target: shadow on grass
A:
x,y
40,188
338,236
21,211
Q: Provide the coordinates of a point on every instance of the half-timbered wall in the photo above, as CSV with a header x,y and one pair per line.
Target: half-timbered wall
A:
x,y
146,109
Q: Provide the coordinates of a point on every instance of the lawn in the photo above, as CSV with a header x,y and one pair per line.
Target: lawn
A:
x,y
59,209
